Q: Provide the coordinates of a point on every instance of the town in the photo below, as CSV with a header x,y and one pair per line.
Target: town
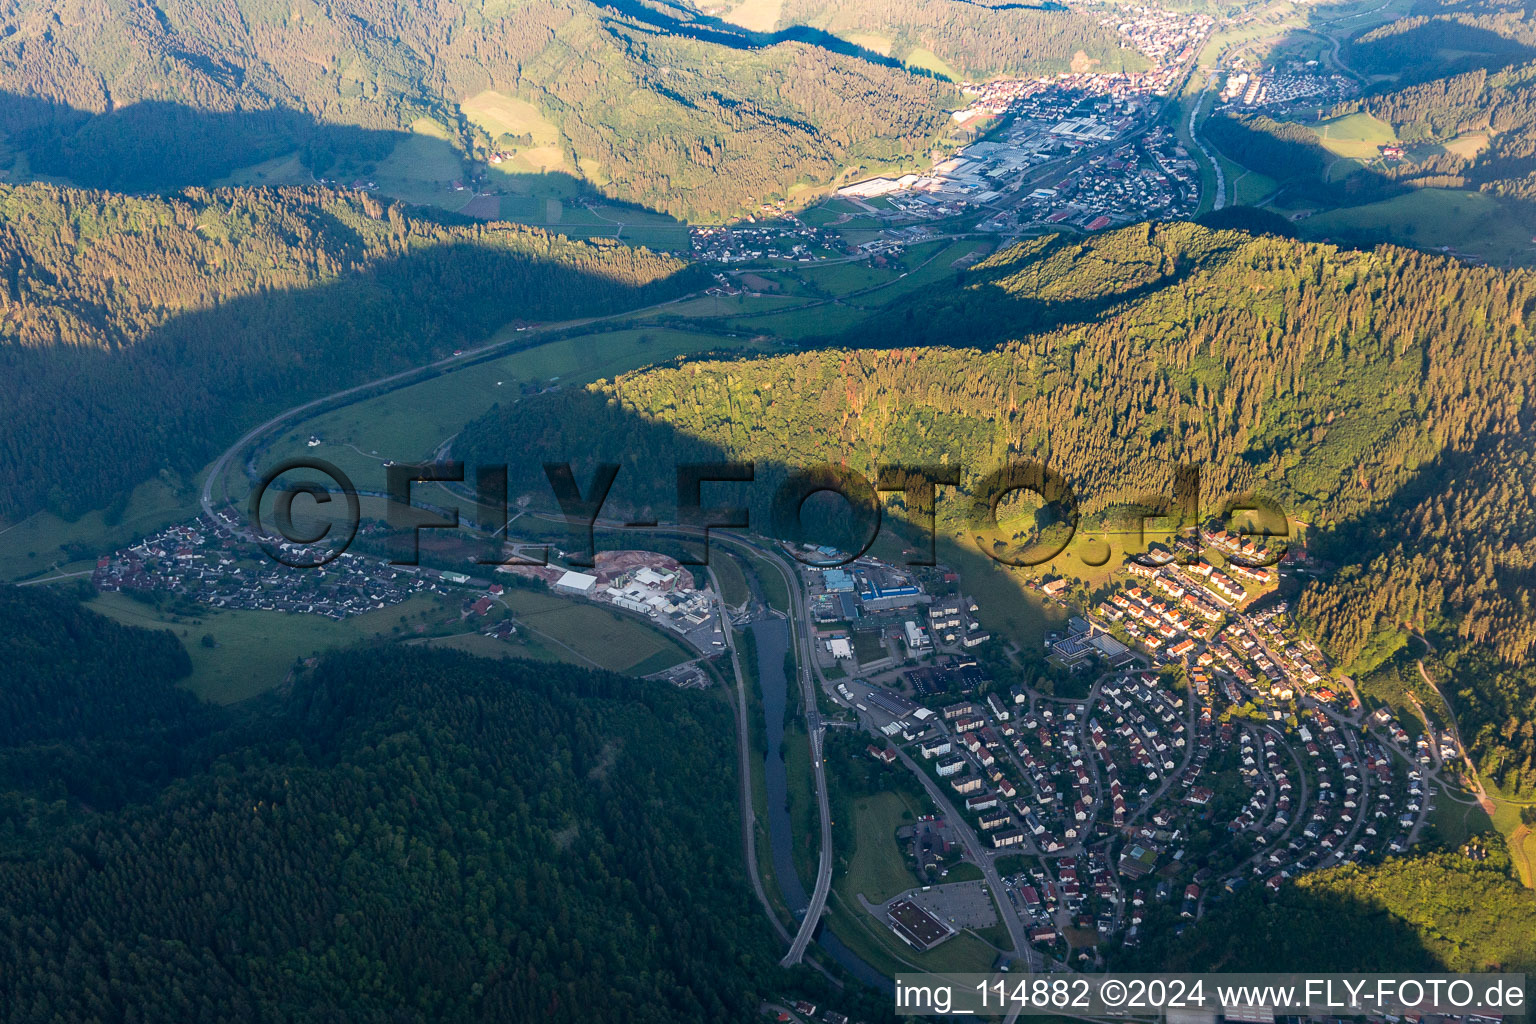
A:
x,y
1081,149
1196,745
1184,741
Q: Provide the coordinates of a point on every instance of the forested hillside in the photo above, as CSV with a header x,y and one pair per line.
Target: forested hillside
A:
x,y
972,40
131,96
1433,912
409,836
143,334
1498,108
1383,397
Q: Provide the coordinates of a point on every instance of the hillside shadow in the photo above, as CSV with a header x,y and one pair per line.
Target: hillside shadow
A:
x,y
1032,287
1296,929
98,422
691,24
1418,50
1382,59
158,146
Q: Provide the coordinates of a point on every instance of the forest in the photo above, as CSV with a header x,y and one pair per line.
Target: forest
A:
x,y
1434,912
974,40
1382,398
1499,105
404,835
143,334
645,111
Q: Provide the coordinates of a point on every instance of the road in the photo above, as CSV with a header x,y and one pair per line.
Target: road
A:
x,y
805,656
1472,776
744,744
809,671
977,852
461,359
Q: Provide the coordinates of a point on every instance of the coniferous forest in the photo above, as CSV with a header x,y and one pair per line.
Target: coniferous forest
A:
x,y
403,832
144,334
1381,397
399,836
645,107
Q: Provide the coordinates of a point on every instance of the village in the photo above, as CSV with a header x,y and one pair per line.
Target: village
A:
x,y
1193,745
1185,742
1295,85
211,561
1081,149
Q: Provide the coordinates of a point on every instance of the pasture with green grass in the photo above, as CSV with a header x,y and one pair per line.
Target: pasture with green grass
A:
x,y
582,633
1469,224
253,651
877,866
1356,136
411,423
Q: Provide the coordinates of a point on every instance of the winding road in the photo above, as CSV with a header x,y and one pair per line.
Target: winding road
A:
x,y
467,357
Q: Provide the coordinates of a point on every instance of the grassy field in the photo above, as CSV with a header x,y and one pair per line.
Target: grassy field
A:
x,y
1456,821
755,15
733,581
775,589
583,633
1008,609
1522,848
877,867
500,114
1468,223
519,128
804,820
924,59
842,278
254,650
1520,837
645,227
280,170
31,546
422,168
1250,187
412,422
965,871
1356,136
875,42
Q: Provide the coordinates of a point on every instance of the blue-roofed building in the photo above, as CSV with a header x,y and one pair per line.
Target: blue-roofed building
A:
x,y
837,581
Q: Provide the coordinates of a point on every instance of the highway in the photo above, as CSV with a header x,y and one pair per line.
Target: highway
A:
x,y
744,745
805,658
808,682
531,339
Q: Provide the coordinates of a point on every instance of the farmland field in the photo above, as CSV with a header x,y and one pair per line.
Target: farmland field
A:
x,y
254,650
1355,136
1470,223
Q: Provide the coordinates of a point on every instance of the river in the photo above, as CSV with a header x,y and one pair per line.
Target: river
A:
x,y
771,637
